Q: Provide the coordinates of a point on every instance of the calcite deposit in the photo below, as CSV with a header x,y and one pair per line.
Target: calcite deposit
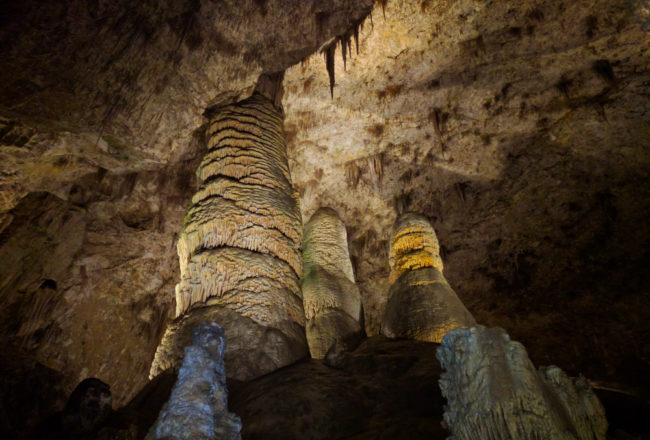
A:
x,y
239,249
493,392
198,405
421,304
331,298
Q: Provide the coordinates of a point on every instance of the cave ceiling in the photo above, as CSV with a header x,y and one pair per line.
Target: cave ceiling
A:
x,y
521,131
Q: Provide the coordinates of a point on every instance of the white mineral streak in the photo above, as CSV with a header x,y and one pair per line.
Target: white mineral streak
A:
x,y
331,299
421,304
493,392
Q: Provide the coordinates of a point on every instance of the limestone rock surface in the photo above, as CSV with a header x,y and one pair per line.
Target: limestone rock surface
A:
x,y
331,299
494,392
198,405
520,131
101,127
239,249
421,304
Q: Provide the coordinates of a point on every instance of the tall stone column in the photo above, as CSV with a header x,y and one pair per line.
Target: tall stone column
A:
x,y
239,249
331,298
421,304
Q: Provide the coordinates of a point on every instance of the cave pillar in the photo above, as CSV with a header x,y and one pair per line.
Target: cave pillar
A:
x,y
331,298
421,304
239,249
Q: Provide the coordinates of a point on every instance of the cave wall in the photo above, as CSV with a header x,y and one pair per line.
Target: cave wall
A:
x,y
101,129
521,131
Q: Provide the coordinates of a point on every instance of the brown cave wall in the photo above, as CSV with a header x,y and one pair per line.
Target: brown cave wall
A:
x,y
521,132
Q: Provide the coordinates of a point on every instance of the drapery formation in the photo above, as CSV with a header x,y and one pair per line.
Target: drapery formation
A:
x,y
421,304
239,249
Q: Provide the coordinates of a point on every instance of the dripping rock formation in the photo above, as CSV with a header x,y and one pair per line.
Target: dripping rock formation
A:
x,y
239,249
331,299
421,304
493,392
517,129
198,405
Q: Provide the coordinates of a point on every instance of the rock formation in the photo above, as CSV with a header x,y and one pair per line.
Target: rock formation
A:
x,y
239,250
421,304
494,392
198,406
331,298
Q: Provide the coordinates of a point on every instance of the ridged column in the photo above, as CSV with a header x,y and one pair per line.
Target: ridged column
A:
x,y
331,298
239,249
421,304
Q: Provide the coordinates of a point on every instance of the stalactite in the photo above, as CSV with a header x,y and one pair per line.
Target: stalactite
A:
x,y
239,250
493,392
421,304
331,299
345,40
329,53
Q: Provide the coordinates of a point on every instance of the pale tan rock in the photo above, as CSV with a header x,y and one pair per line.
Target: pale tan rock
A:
x,y
421,304
239,250
331,299
494,392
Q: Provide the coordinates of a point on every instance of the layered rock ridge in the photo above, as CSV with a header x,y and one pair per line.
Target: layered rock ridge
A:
x,y
421,304
331,298
239,249
494,392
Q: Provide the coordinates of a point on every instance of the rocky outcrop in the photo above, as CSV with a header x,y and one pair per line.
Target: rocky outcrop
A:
x,y
421,304
494,392
88,408
239,250
198,406
331,298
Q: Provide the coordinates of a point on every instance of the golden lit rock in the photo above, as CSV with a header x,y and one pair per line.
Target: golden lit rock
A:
x,y
421,304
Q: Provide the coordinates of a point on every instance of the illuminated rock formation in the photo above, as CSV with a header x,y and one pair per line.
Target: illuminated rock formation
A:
x,y
421,304
331,298
494,392
198,404
239,250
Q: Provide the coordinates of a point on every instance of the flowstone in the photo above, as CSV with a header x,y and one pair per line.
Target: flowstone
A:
x,y
421,304
239,250
493,392
198,405
331,298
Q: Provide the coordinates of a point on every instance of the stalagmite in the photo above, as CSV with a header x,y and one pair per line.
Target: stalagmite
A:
x,y
421,304
239,249
197,408
331,298
494,392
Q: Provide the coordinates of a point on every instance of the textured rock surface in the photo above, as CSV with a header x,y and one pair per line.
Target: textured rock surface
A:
x,y
330,296
421,304
240,246
198,405
494,392
520,131
86,278
384,389
101,127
